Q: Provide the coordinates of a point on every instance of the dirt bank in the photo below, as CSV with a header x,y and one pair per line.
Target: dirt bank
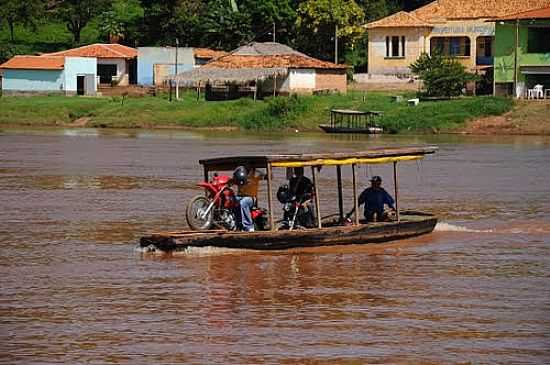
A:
x,y
527,118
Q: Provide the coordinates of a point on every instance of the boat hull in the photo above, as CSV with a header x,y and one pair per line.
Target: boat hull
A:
x,y
358,130
410,226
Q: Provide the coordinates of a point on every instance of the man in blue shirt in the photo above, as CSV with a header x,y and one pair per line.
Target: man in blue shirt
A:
x,y
374,198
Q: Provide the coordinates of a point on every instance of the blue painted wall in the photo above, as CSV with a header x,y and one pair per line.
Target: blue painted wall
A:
x,y
150,56
78,66
33,80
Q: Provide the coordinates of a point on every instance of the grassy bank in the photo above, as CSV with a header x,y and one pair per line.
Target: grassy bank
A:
x,y
302,112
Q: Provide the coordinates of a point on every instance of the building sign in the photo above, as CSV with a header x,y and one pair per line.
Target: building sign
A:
x,y
480,29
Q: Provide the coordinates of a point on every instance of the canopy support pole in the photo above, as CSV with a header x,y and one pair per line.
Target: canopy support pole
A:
x,y
316,187
177,89
355,202
396,190
340,195
206,178
275,85
199,91
270,198
205,174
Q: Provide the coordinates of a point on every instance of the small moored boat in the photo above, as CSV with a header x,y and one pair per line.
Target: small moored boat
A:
x,y
353,121
337,231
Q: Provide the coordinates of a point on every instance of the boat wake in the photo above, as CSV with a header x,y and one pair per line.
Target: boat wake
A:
x,y
211,251
446,227
194,251
537,228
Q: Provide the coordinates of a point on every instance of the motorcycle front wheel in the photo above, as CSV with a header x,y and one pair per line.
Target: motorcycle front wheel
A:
x,y
196,219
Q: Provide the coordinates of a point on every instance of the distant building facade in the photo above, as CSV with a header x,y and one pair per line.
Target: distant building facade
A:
x,y
155,65
522,61
458,28
28,75
266,69
115,63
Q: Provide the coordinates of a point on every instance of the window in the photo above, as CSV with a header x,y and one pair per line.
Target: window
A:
x,y
537,40
451,46
395,46
487,46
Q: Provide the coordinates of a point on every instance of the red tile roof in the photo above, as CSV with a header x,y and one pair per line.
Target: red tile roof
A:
x,y
98,50
208,53
271,61
443,10
34,63
543,13
401,19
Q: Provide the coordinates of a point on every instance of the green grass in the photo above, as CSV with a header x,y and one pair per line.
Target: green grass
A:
x,y
296,112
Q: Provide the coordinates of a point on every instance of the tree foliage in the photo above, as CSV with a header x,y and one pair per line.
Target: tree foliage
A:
x,y
14,12
441,76
224,27
320,20
122,20
78,13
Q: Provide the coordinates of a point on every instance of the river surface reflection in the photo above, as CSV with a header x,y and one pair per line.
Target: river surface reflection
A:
x,y
74,290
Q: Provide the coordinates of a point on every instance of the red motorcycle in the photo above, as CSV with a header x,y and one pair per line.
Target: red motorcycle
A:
x,y
219,208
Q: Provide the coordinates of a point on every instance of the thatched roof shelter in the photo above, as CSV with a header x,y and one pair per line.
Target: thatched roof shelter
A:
x,y
216,75
253,62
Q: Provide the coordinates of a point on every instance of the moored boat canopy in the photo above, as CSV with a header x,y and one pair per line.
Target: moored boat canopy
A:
x,y
376,155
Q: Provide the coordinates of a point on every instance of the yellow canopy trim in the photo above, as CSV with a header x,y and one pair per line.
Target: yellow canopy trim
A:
x,y
347,161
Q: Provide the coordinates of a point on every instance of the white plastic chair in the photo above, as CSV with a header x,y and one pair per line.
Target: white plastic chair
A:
x,y
539,91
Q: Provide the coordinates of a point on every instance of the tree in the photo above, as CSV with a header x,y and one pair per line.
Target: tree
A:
x,y
22,12
110,26
122,20
225,28
165,20
441,76
266,13
317,21
78,13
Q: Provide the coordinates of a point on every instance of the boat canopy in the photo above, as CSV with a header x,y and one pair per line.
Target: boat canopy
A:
x,y
379,155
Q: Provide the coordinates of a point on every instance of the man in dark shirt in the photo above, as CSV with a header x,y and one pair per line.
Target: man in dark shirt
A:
x,y
374,198
300,186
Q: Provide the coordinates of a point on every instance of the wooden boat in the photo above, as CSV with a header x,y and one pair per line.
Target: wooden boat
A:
x,y
336,232
353,121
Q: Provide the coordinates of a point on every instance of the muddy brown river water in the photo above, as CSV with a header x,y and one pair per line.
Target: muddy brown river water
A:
x,y
75,291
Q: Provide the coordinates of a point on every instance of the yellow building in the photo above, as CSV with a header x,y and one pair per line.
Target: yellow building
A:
x,y
459,28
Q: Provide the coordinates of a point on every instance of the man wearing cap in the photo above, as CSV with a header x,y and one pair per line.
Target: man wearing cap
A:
x,y
374,198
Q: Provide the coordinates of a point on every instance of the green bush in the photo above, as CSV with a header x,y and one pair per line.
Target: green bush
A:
x,y
442,76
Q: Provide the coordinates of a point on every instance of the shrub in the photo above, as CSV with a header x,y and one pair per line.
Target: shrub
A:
x,y
442,76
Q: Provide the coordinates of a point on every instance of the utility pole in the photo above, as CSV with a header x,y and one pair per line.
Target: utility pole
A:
x,y
273,32
516,60
176,70
336,43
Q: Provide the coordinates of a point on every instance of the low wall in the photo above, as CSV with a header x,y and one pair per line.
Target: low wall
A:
x,y
331,80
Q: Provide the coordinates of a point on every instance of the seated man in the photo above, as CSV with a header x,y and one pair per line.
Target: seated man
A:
x,y
247,182
301,189
374,198
300,186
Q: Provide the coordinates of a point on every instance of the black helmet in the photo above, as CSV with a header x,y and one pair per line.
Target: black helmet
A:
x,y
376,179
240,175
283,194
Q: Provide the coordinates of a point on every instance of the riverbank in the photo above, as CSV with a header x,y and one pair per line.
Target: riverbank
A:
x,y
527,117
296,112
